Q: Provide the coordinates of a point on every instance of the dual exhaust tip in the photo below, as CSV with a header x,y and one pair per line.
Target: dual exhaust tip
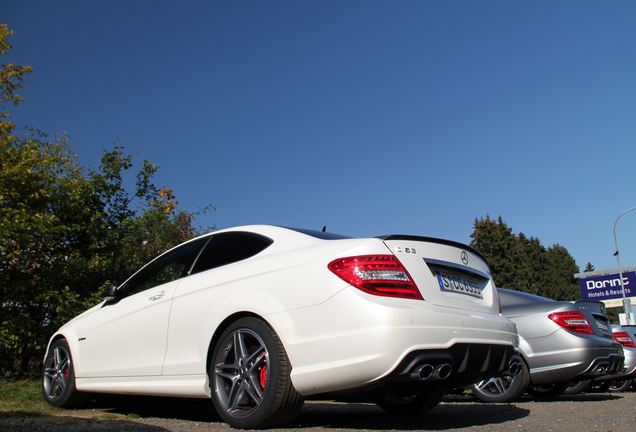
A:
x,y
428,372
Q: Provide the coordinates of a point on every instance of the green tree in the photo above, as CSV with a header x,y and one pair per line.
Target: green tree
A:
x,y
560,284
66,231
11,77
495,240
589,267
533,276
522,263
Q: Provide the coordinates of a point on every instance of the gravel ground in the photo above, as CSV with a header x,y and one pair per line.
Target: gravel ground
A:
x,y
585,412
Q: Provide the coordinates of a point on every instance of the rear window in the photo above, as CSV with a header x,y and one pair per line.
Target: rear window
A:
x,y
223,249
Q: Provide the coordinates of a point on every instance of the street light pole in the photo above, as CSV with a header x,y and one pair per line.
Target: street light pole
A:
x,y
627,307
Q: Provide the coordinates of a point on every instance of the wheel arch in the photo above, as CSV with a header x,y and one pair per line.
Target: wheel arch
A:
x,y
56,337
222,327
524,359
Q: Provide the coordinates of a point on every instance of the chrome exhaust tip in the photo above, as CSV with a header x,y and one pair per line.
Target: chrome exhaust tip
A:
x,y
515,368
423,372
442,371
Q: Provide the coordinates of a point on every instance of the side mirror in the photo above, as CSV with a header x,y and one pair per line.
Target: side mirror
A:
x,y
110,292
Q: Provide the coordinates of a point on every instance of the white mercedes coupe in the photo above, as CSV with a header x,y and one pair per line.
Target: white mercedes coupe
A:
x,y
258,318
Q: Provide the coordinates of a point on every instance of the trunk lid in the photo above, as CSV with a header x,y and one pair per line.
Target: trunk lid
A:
x,y
447,273
595,313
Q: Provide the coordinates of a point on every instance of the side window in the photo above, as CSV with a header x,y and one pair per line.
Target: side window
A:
x,y
166,268
228,248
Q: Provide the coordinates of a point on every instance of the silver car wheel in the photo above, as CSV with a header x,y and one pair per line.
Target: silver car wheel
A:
x,y
56,372
503,389
240,372
499,386
58,377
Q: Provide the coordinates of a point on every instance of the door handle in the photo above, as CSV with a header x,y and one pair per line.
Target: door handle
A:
x,y
157,296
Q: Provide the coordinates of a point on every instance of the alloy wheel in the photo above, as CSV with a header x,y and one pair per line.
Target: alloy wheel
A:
x,y
240,372
56,372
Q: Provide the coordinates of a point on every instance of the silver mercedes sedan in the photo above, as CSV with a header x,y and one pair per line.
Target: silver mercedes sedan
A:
x,y
626,336
560,342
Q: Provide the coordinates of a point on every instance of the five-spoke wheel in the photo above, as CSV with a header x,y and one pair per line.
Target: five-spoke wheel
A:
x,y
241,372
58,377
503,389
250,378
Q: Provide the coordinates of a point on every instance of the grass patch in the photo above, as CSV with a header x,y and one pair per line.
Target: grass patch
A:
x,y
23,399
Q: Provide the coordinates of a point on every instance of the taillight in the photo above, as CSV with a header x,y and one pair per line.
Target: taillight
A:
x,y
573,321
381,275
624,339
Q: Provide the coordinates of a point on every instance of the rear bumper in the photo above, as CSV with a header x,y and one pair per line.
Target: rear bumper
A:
x,y
467,364
629,369
564,356
355,341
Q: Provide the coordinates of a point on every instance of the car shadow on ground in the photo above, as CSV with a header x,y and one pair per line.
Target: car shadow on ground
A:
x,y
447,415
455,412
68,423
314,414
323,414
580,397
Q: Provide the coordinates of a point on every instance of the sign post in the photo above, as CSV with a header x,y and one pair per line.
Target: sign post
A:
x,y
627,306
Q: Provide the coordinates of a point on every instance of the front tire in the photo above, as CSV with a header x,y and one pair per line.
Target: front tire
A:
x,y
250,377
503,389
58,378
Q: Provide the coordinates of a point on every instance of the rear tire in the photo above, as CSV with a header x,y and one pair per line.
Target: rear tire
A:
x,y
578,387
503,389
400,404
250,377
620,386
548,391
58,378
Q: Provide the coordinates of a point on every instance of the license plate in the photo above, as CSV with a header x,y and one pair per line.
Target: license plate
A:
x,y
458,284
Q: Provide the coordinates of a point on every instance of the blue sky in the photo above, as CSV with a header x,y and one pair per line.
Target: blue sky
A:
x,y
369,117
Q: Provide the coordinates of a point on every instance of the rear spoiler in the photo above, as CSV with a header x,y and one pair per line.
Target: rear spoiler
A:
x,y
434,240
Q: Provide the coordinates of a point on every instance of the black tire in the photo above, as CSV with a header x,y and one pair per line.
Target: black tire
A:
x,y
578,387
503,389
58,378
250,377
400,404
548,391
620,386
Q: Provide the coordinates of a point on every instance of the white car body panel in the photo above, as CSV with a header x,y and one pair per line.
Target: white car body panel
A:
x,y
137,326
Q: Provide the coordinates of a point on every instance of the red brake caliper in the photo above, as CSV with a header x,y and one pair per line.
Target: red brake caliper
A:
x,y
263,374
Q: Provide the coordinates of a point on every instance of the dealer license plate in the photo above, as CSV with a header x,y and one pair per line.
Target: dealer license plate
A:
x,y
458,284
